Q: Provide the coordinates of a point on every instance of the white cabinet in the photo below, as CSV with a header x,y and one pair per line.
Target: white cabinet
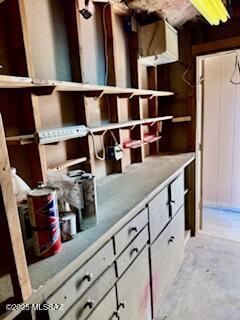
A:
x,y
158,44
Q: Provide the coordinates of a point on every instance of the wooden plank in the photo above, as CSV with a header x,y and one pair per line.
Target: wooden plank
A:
x,y
182,119
67,164
20,140
131,123
101,90
21,283
15,82
216,46
121,9
38,125
153,106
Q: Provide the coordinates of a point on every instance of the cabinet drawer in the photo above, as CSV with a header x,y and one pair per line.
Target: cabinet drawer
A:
x,y
107,307
87,303
158,213
82,279
132,251
177,194
129,232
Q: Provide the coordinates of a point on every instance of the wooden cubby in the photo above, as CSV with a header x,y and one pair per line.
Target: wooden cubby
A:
x,y
92,43
50,50
12,50
55,45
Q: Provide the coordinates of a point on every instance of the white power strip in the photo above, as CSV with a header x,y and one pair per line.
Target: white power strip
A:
x,y
46,136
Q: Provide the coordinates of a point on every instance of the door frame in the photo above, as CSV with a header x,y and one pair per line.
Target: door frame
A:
x,y
199,130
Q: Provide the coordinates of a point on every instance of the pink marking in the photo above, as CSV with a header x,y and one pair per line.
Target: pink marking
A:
x,y
155,283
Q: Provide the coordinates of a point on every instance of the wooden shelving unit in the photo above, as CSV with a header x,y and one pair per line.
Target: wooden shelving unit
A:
x,y
96,81
132,123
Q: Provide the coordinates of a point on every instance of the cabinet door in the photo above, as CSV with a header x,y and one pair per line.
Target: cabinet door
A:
x,y
107,309
134,290
159,214
166,257
177,194
160,274
177,246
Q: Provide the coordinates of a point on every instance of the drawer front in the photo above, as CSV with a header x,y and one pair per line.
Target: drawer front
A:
x,y
87,303
75,286
177,194
129,232
107,308
158,213
132,251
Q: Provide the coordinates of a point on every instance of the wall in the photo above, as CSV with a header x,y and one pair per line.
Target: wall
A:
x,y
221,118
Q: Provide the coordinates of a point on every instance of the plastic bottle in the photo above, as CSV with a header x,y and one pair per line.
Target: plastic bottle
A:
x,y
20,188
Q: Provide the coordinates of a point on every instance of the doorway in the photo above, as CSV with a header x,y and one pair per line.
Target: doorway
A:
x,y
220,159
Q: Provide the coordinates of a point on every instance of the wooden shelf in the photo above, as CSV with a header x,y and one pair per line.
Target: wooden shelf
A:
x,y
67,164
12,82
182,119
98,90
149,138
20,140
133,123
15,82
133,144
90,90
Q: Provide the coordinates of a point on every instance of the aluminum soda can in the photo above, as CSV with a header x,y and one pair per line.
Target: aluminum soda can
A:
x,y
44,219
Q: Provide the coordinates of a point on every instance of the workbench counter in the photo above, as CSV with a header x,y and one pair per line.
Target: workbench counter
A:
x,y
120,197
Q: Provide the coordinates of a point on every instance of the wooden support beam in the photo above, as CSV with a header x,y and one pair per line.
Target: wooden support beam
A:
x,y
9,214
153,106
216,46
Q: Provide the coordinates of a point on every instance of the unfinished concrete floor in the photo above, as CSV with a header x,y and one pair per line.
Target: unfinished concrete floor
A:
x,y
208,284
221,223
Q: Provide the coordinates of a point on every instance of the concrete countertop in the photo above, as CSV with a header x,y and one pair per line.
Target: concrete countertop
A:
x,y
120,197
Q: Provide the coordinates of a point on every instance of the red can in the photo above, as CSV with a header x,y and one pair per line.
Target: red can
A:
x,y
44,220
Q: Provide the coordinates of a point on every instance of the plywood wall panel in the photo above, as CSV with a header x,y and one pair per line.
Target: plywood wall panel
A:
x,y
211,103
48,53
221,151
235,194
121,52
226,120
92,46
